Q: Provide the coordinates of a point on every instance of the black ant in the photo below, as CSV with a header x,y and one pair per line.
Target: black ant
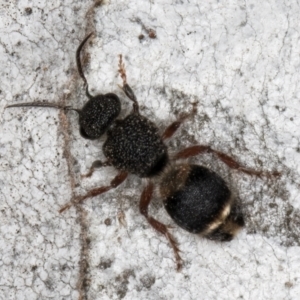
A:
x,y
196,198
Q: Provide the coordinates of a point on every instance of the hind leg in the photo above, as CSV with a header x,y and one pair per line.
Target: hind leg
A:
x,y
228,160
158,226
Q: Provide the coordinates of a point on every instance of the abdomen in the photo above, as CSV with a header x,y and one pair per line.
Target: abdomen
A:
x,y
197,198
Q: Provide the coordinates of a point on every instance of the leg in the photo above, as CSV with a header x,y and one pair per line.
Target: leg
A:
x,y
158,226
229,161
96,164
126,88
171,129
97,191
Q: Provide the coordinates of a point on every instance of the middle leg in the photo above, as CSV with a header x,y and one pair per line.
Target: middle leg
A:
x,y
172,128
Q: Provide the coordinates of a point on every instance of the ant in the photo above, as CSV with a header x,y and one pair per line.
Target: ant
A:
x,y
196,198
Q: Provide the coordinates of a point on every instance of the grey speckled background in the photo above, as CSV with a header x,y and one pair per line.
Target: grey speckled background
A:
x,y
239,60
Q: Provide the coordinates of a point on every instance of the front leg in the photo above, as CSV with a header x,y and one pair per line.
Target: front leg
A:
x,y
158,226
97,191
126,88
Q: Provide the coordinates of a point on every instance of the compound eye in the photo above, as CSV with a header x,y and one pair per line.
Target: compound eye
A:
x,y
84,134
98,114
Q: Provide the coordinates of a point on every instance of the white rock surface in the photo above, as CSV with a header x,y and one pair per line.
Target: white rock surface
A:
x,y
239,60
